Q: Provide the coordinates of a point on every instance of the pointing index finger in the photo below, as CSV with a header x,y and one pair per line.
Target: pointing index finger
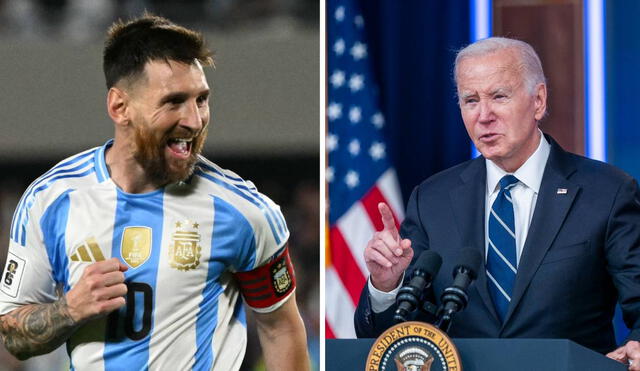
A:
x,y
387,219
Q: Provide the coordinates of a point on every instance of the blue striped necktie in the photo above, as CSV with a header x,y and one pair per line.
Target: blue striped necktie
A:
x,y
501,254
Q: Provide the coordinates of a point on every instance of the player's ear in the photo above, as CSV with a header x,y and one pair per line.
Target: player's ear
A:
x,y
117,104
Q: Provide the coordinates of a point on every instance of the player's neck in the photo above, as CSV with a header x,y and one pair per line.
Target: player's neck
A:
x,y
126,172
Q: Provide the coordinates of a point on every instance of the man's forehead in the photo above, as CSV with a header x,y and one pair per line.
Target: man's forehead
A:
x,y
162,73
489,70
171,67
497,80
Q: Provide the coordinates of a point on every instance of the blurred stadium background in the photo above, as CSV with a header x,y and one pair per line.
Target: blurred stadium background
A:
x,y
264,110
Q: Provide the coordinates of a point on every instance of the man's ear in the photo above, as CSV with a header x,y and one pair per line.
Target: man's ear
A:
x,y
118,106
540,101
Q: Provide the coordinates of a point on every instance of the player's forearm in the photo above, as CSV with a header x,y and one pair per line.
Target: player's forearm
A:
x,y
283,338
36,328
285,351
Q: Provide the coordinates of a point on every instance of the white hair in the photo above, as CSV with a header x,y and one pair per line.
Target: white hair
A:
x,y
532,73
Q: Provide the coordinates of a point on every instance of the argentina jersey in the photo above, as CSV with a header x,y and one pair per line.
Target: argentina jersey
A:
x,y
183,245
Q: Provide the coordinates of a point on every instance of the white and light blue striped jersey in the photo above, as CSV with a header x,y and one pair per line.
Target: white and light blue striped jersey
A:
x,y
182,244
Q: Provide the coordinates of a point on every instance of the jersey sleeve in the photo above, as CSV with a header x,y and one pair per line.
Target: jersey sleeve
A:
x,y
27,277
265,274
271,232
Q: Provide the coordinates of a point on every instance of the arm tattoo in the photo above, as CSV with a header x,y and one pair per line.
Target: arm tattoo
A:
x,y
36,328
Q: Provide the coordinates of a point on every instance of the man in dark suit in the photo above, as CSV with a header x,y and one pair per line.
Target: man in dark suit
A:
x,y
560,233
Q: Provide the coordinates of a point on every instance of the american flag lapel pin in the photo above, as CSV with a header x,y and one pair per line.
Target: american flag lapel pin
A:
x,y
562,191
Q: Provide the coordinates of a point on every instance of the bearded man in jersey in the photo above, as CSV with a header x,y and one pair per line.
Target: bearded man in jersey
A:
x,y
135,253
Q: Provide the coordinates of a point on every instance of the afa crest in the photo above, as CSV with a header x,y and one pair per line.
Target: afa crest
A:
x,y
184,250
280,277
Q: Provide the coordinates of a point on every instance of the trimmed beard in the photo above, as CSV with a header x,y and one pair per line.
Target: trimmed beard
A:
x,y
150,154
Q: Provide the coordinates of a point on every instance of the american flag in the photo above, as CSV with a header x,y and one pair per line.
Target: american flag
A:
x,y
359,173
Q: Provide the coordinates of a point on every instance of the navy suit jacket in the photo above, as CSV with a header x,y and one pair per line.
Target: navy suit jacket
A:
x,y
581,254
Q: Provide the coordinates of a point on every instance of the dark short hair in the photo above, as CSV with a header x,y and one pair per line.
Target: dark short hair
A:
x,y
130,45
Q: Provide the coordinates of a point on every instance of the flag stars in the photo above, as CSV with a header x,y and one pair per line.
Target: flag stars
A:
x,y
355,115
329,174
356,82
354,147
377,120
334,111
332,142
339,47
337,79
377,151
339,14
358,21
352,179
358,51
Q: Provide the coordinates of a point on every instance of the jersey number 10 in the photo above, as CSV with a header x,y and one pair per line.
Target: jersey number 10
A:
x,y
115,323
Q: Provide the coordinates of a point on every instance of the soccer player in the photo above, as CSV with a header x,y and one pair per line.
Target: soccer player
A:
x,y
135,253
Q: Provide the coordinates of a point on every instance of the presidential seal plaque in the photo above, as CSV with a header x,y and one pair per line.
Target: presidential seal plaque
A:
x,y
413,346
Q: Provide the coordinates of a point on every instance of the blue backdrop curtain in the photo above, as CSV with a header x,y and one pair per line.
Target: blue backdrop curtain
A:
x,y
413,46
622,79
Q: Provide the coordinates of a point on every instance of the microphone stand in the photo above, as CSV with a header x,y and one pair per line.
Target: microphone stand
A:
x,y
453,300
409,297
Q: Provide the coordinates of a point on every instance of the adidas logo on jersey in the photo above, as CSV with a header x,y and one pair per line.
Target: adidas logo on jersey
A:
x,y
88,251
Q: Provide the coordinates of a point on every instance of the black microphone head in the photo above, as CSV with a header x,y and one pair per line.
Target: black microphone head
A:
x,y
429,262
471,260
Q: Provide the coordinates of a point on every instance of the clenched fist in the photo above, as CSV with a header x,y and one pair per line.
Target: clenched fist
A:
x,y
386,255
100,290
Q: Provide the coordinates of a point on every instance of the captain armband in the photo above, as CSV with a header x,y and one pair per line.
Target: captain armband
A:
x,y
268,284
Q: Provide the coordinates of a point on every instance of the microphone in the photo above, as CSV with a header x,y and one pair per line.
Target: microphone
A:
x,y
426,269
455,298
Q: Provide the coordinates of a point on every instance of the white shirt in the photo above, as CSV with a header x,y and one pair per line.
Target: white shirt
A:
x,y
524,194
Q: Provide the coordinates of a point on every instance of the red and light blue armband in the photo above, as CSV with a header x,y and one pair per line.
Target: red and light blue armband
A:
x,y
268,284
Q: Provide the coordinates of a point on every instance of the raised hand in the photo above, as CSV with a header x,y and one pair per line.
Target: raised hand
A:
x,y
387,255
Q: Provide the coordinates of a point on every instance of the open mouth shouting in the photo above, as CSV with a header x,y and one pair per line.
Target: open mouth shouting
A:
x,y
180,147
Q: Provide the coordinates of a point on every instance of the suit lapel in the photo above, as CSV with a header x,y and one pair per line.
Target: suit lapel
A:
x,y
468,206
555,198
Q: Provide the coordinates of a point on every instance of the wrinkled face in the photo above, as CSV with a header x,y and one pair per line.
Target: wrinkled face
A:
x,y
499,112
170,112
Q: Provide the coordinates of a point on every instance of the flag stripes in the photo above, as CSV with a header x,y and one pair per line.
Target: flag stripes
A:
x,y
359,172
347,274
